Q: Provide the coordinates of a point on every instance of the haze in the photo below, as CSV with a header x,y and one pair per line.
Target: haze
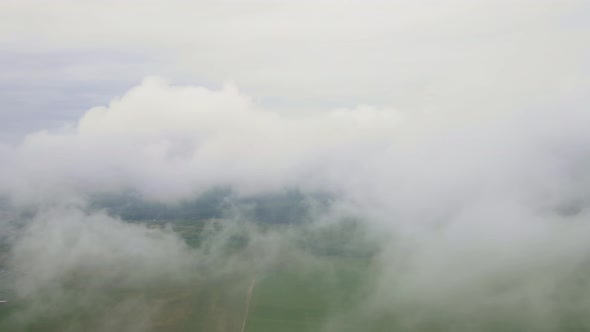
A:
x,y
294,165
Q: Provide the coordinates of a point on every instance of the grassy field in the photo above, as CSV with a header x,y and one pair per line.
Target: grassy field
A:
x,y
285,299
292,295
289,300
317,281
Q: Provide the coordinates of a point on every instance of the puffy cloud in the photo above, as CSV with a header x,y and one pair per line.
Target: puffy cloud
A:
x,y
170,142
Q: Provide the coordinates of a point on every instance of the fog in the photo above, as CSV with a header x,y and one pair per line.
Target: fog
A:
x,y
481,223
461,164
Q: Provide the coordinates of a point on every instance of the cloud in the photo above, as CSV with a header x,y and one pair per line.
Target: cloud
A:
x,y
171,142
488,211
174,141
475,179
65,245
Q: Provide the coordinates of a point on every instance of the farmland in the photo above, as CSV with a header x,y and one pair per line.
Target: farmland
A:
x,y
292,301
302,290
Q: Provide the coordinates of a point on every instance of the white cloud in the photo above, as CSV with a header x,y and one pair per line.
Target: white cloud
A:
x,y
171,142
174,141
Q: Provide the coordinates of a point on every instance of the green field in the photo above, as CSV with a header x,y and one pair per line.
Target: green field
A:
x,y
316,280
290,301
282,300
304,290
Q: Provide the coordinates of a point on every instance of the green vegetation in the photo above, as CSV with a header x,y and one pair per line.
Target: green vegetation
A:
x,y
292,300
321,279
286,207
314,279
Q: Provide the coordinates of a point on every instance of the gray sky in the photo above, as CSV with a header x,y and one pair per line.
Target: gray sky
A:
x,y
61,58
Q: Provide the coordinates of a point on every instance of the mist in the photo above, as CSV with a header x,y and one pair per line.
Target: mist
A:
x,y
481,225
408,167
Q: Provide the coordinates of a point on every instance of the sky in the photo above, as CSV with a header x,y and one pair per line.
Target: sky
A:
x,y
462,58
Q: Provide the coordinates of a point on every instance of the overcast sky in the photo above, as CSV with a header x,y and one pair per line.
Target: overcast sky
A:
x,y
60,58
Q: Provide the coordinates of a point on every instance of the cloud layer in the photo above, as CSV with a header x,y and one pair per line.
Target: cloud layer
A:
x,y
174,141
457,130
